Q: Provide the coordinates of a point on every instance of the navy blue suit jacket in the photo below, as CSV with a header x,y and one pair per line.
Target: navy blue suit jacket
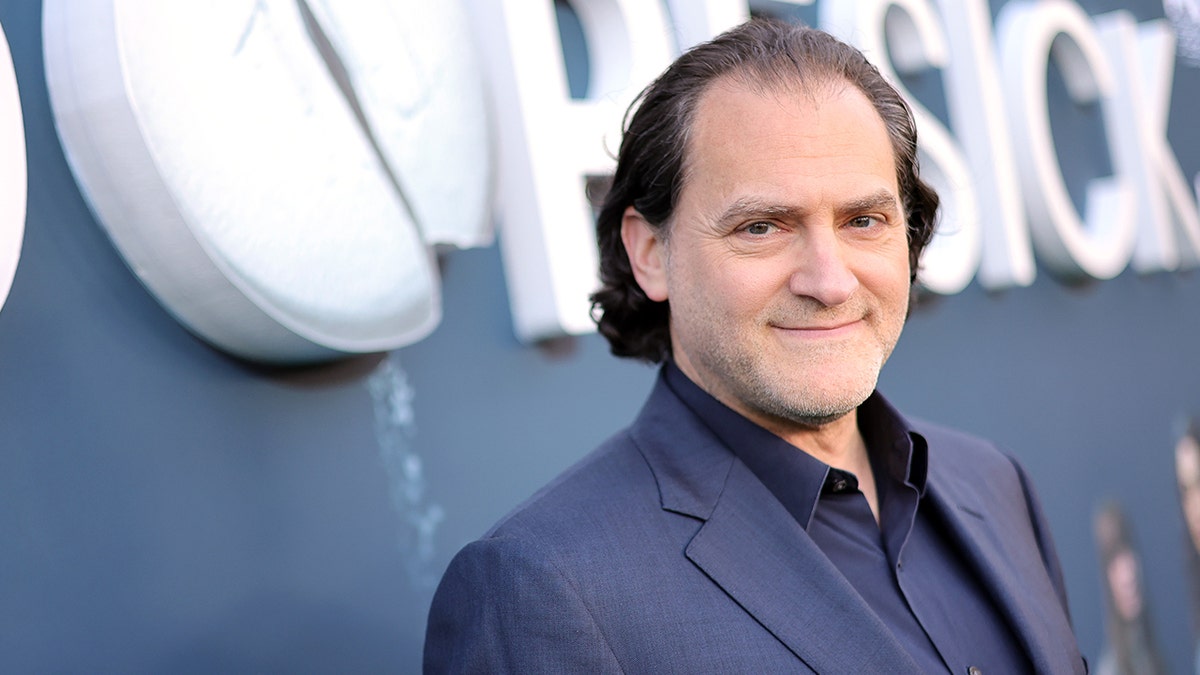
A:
x,y
660,552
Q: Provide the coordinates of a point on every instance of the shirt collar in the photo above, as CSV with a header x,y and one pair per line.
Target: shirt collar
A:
x,y
797,478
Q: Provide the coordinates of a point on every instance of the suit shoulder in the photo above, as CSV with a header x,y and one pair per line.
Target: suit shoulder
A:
x,y
608,483
944,435
957,446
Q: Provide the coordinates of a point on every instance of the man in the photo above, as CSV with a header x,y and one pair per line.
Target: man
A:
x,y
767,512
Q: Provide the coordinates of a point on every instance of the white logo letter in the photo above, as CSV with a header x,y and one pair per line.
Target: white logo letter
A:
x,y
552,144
1144,60
12,171
1030,33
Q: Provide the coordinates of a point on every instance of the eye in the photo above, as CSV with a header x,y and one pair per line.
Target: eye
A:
x,y
863,222
759,229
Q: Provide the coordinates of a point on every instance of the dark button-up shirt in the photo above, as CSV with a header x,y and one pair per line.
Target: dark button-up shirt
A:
x,y
907,567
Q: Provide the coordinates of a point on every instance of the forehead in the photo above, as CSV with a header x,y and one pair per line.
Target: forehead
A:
x,y
742,129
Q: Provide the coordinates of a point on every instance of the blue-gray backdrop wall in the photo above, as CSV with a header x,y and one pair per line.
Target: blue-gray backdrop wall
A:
x,y
165,508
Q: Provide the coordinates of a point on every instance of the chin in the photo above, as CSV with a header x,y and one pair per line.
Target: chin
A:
x,y
815,421
810,407
837,387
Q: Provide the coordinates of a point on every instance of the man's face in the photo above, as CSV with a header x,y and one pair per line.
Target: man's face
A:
x,y
786,263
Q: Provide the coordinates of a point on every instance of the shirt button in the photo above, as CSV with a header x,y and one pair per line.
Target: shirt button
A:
x,y
973,670
839,485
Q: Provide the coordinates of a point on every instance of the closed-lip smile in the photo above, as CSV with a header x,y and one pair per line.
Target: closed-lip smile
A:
x,y
820,329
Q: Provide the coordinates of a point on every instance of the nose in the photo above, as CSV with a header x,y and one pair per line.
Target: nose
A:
x,y
823,271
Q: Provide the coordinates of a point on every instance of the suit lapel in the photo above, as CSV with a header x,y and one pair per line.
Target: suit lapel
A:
x,y
1002,550
756,552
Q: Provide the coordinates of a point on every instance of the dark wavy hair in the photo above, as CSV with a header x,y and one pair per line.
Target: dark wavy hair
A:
x,y
767,54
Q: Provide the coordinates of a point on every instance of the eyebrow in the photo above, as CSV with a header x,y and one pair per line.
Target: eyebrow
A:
x,y
883,199
754,207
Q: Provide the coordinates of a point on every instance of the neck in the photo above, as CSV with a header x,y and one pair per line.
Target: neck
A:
x,y
841,445
838,443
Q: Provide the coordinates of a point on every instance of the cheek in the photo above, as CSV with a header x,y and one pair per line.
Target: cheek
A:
x,y
889,282
734,285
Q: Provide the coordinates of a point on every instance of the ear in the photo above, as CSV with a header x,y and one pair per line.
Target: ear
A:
x,y
647,254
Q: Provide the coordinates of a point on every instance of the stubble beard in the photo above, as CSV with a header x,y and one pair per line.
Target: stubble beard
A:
x,y
784,391
790,388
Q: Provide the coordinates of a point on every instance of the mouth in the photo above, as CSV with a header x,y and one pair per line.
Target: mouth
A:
x,y
821,330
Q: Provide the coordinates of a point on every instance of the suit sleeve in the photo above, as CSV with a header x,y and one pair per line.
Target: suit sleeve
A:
x,y
503,607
